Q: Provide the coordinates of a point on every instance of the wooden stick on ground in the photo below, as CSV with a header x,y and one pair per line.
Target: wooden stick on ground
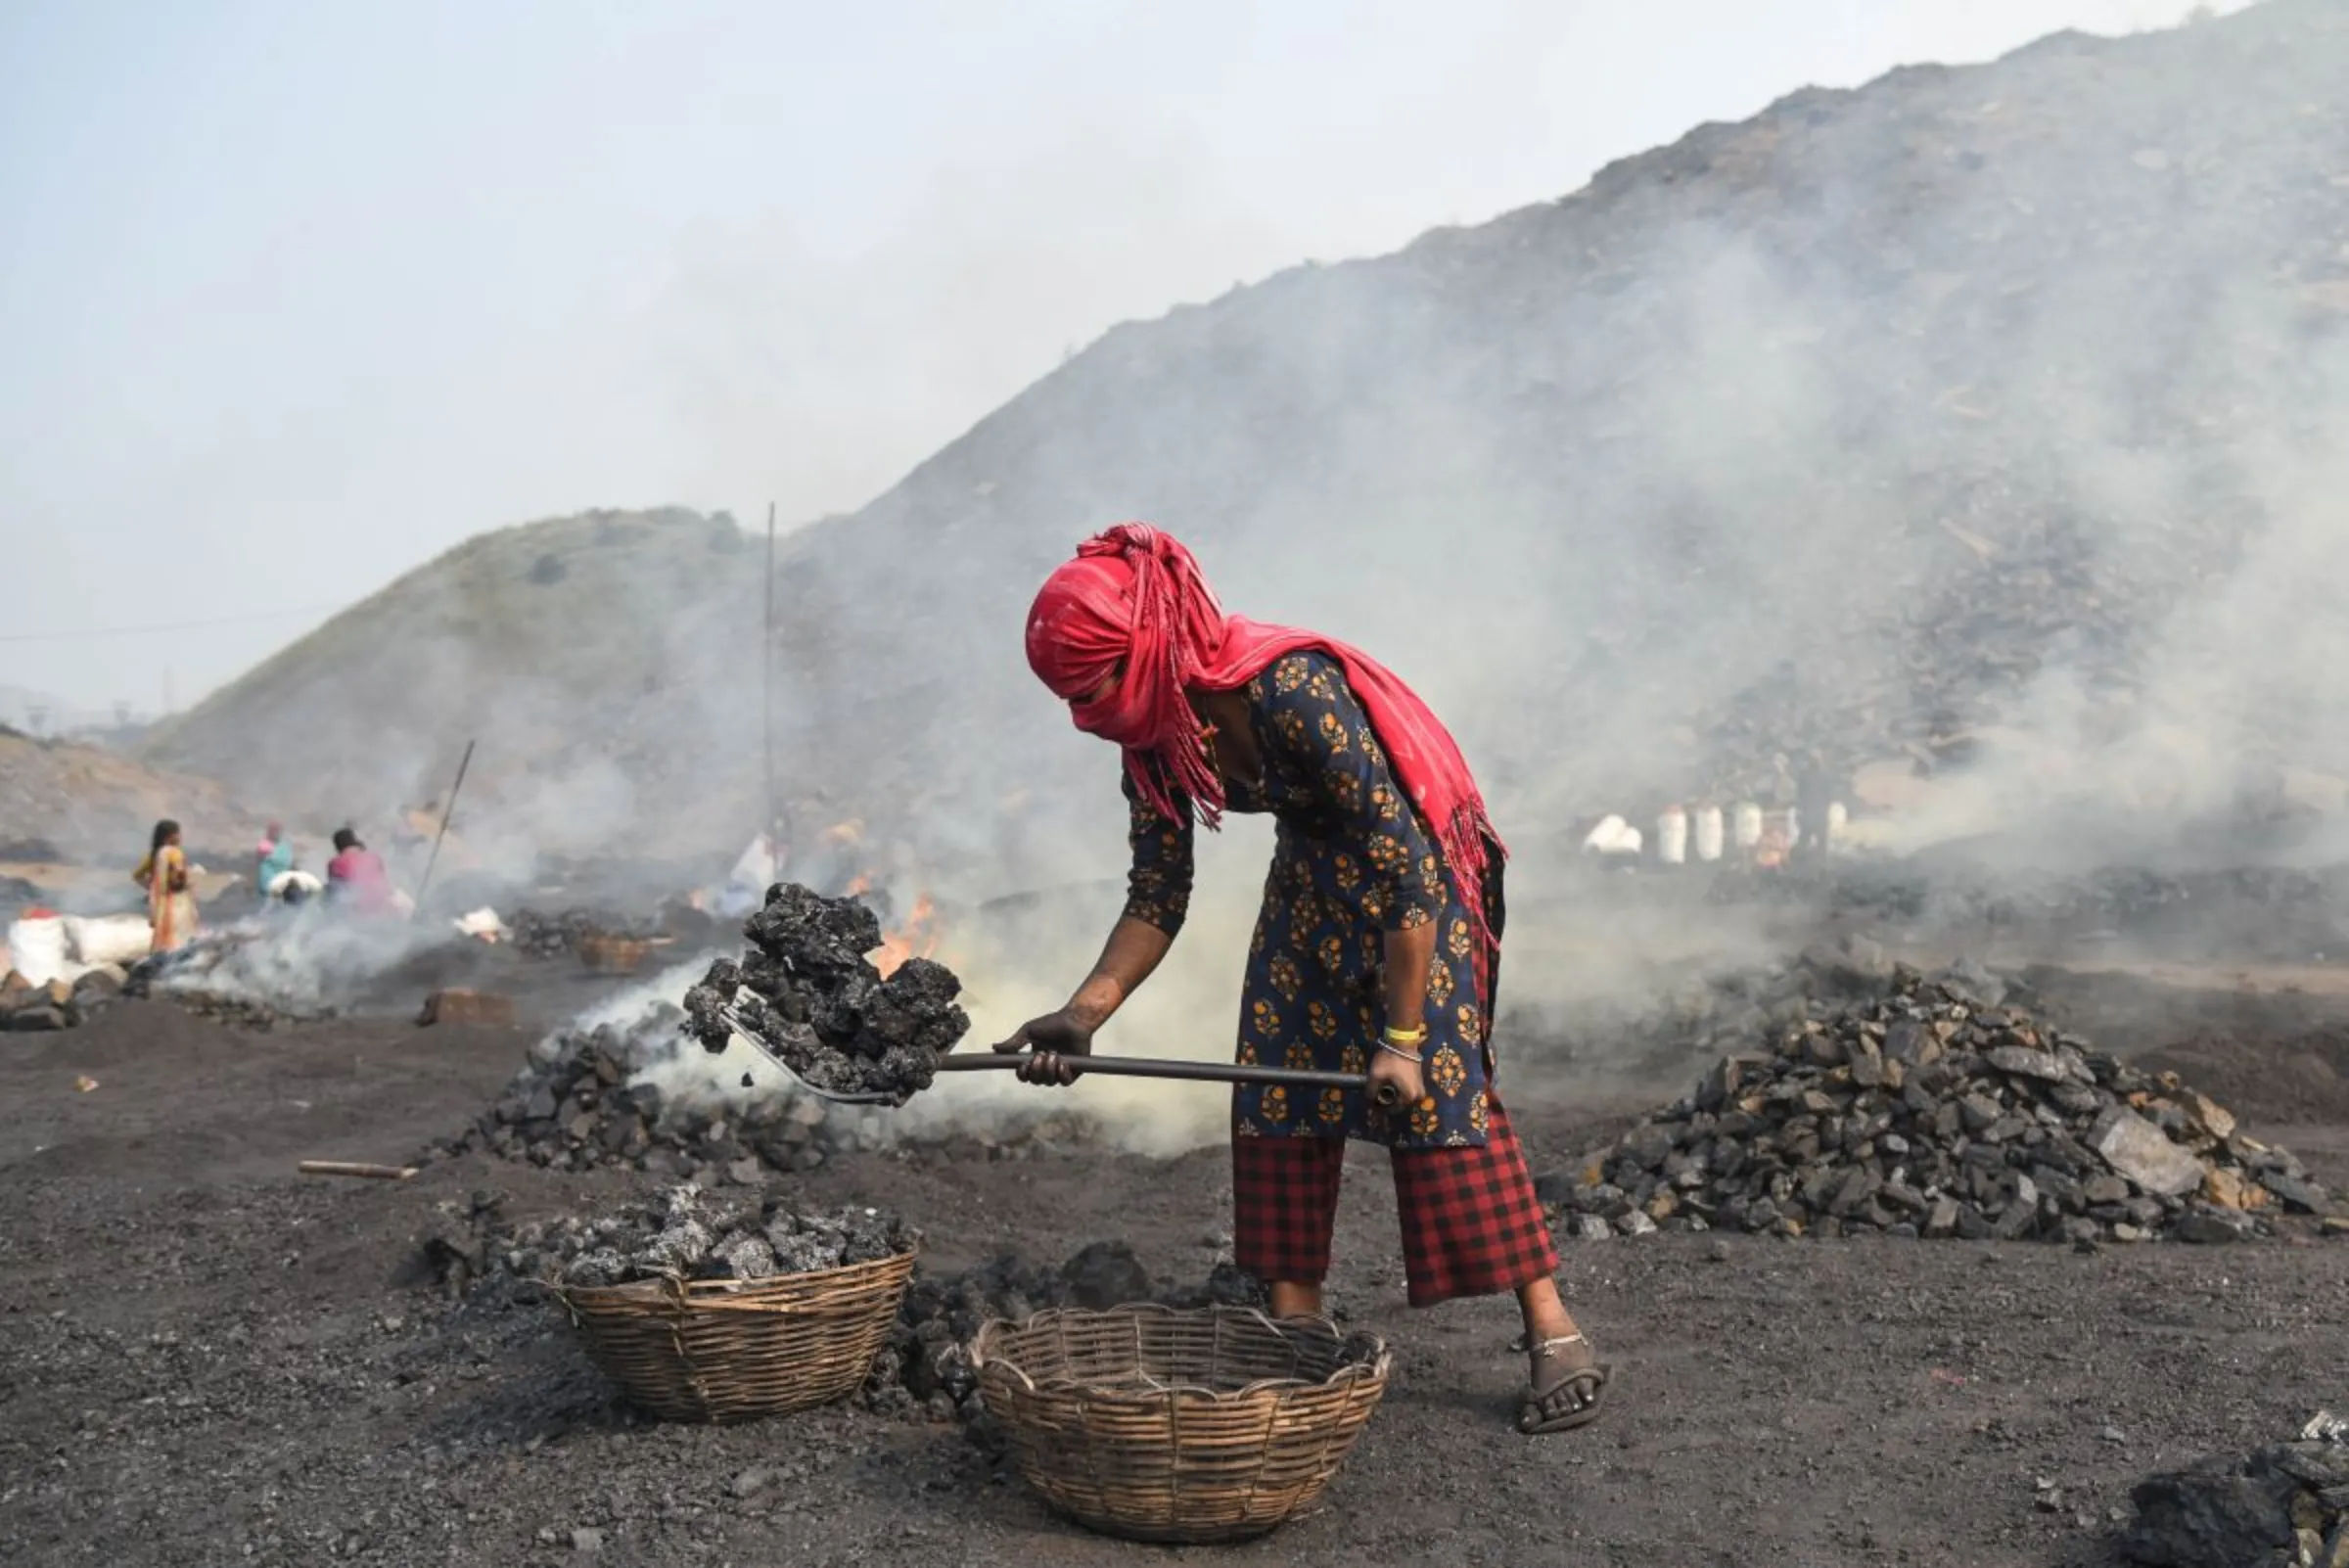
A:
x,y
345,1167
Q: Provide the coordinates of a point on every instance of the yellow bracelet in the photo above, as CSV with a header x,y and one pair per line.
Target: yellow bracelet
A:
x,y
1406,1037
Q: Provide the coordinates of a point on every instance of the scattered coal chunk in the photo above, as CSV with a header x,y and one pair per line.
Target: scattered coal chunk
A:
x,y
808,990
1940,1108
2286,1503
1105,1274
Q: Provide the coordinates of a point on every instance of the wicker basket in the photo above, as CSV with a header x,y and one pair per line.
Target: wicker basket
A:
x,y
614,956
730,1351
1179,1426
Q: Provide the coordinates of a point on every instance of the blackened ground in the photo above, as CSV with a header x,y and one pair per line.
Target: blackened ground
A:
x,y
205,1357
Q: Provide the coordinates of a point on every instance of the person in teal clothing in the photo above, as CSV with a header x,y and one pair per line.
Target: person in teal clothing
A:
x,y
276,858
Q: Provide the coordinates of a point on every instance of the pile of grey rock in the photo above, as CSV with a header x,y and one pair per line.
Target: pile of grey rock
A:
x,y
1924,1111
27,1008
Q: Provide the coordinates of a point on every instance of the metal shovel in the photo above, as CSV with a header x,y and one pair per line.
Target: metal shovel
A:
x,y
1384,1096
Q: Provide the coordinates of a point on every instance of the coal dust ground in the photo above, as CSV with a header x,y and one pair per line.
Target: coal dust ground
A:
x,y
208,1358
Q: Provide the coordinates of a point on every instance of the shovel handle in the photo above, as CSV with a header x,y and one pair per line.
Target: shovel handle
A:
x,y
1385,1096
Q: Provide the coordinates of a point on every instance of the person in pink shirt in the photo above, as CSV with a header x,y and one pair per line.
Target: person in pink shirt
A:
x,y
355,878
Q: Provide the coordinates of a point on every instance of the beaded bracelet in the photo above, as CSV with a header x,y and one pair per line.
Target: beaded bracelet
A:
x,y
1392,1049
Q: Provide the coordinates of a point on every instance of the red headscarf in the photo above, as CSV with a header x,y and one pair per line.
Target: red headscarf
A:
x,y
1136,594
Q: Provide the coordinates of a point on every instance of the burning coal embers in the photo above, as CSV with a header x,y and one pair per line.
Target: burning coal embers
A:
x,y
1927,1113
807,989
687,1233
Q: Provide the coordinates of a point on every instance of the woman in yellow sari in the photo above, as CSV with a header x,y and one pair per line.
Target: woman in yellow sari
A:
x,y
170,907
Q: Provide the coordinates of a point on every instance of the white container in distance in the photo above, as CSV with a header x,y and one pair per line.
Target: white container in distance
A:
x,y
1746,825
1671,836
36,948
1602,839
1708,833
108,939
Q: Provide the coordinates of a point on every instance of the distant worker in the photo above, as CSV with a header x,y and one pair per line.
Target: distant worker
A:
x,y
294,889
355,878
276,858
170,905
759,867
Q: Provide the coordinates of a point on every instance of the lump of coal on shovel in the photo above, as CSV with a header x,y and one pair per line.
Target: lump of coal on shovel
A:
x,y
813,1001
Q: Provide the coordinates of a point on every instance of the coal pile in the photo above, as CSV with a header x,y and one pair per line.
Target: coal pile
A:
x,y
539,935
595,1099
2285,1506
1929,1111
27,1008
583,1101
688,1233
1700,1016
808,990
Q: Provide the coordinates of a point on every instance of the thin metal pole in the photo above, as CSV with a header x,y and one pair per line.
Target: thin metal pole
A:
x,y
446,811
766,667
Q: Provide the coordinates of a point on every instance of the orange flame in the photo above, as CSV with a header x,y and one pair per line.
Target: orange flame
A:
x,y
917,937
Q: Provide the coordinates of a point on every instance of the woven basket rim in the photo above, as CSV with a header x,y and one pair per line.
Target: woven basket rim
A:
x,y
1376,1365
671,1288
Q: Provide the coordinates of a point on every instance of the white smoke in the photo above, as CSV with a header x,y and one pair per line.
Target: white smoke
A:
x,y
304,960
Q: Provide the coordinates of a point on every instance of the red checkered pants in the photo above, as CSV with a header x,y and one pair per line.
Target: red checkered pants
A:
x,y
1471,1224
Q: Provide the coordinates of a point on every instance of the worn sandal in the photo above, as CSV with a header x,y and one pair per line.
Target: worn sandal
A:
x,y
1552,1405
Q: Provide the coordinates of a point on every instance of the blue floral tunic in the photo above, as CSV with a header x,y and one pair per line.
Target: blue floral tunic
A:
x,y
1352,860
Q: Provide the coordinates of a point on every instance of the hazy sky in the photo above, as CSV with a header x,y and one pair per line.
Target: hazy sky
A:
x,y
294,297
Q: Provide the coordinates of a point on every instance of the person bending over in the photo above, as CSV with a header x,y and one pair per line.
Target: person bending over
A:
x,y
1377,950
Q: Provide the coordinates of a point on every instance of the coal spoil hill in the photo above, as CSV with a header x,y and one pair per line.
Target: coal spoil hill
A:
x,y
1974,398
